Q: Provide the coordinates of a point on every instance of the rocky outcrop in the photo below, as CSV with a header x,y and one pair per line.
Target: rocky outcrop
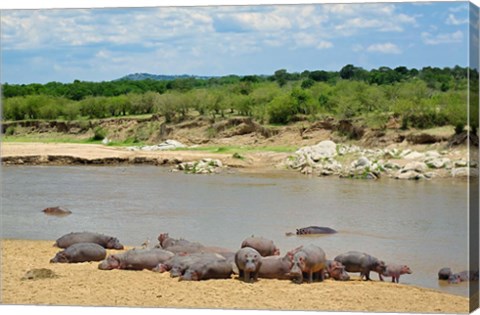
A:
x,y
204,166
350,161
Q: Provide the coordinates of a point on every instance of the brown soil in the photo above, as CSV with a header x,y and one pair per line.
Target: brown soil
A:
x,y
84,284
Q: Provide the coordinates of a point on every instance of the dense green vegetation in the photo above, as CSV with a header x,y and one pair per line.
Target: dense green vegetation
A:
x,y
418,98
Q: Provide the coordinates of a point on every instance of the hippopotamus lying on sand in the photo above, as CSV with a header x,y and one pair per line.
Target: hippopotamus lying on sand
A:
x,y
136,259
80,252
276,267
361,262
178,264
105,241
208,268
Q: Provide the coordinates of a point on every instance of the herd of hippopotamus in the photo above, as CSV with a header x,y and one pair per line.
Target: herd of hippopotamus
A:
x,y
257,257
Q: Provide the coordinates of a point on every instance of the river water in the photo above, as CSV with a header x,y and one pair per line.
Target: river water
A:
x,y
422,224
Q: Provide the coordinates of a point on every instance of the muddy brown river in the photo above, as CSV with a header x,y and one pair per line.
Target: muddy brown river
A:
x,y
422,224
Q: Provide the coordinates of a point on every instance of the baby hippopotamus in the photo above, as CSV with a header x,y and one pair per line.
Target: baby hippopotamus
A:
x,y
395,271
248,262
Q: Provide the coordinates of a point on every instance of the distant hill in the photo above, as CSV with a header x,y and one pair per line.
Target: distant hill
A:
x,y
159,77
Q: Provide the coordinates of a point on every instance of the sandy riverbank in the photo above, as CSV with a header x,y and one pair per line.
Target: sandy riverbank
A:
x,y
33,153
83,284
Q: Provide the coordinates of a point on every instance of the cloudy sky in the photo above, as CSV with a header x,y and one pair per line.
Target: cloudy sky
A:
x,y
105,44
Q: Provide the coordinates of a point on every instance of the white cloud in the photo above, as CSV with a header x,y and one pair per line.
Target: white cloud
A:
x,y
452,20
324,45
384,48
443,38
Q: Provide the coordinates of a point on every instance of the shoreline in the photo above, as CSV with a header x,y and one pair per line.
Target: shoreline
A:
x,y
83,284
64,154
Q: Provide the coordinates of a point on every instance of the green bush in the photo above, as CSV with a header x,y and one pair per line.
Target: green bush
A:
x,y
99,133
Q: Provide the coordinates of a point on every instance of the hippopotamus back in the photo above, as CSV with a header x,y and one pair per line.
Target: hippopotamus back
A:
x,y
106,241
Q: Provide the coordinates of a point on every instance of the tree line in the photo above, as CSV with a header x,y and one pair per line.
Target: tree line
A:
x,y
420,98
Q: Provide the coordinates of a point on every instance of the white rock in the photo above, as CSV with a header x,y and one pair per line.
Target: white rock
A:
x,y
414,156
460,172
418,167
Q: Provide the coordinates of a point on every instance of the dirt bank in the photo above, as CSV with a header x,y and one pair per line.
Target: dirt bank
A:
x,y
32,153
84,284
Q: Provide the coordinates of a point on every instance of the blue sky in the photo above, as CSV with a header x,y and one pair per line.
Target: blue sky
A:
x,y
105,44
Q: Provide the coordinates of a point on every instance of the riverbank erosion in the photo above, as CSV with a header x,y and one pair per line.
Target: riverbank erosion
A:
x,y
84,284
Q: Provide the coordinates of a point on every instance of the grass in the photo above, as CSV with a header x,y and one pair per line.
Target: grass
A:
x,y
48,139
62,139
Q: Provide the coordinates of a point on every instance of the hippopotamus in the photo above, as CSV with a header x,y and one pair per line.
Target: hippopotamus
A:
x,y
463,276
361,262
106,241
264,246
165,241
444,273
57,211
315,230
205,269
80,252
248,261
179,263
136,259
395,271
308,260
336,270
275,267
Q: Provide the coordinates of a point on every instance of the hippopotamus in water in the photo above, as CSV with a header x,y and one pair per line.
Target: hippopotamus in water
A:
x,y
313,230
57,211
395,271
208,268
80,252
264,246
136,259
336,270
444,273
308,260
361,262
463,276
106,241
248,261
